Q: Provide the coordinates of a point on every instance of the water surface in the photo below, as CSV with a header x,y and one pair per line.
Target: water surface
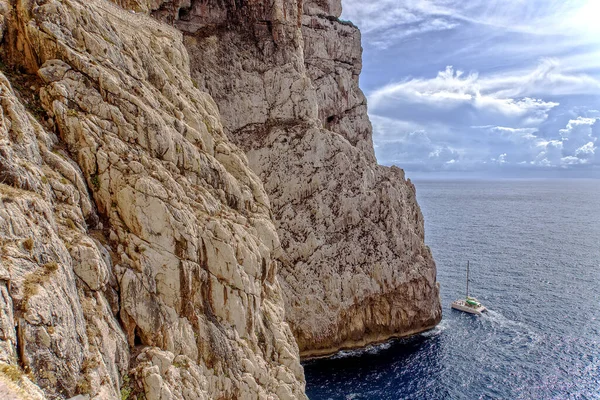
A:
x,y
534,248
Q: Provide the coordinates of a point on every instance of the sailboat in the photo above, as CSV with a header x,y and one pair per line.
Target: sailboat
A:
x,y
470,304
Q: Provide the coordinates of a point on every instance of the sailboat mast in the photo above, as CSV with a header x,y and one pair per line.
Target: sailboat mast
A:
x,y
467,278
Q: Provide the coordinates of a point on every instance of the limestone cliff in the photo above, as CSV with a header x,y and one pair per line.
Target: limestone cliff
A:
x,y
138,253
285,77
173,174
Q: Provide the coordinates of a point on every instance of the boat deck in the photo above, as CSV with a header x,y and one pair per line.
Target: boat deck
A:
x,y
462,305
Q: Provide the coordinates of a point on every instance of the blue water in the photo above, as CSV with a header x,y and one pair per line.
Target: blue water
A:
x,y
534,248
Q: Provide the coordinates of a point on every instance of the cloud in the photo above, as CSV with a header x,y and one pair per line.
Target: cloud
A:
x,y
578,142
406,144
577,134
533,17
586,152
521,133
389,37
550,154
385,22
454,97
427,146
547,79
525,92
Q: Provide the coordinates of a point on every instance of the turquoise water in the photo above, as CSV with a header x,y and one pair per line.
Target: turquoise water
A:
x,y
534,248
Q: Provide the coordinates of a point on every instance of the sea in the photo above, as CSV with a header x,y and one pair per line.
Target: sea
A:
x,y
534,252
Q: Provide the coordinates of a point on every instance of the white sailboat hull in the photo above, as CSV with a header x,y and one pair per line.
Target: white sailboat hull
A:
x,y
462,305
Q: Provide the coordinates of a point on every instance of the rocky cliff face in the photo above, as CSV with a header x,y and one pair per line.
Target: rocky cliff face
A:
x,y
285,77
138,253
170,183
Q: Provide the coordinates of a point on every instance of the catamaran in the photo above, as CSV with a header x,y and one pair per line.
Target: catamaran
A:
x,y
470,304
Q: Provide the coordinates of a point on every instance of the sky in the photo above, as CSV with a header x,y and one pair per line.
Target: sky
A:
x,y
483,87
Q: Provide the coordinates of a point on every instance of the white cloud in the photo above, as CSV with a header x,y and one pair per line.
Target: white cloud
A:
x,y
577,134
550,155
376,16
385,22
387,129
530,101
535,17
570,160
515,133
575,145
452,93
453,85
391,36
548,78
586,152
408,145
440,148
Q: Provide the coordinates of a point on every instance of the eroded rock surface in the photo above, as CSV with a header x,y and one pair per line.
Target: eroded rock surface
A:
x,y
285,77
138,253
53,325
